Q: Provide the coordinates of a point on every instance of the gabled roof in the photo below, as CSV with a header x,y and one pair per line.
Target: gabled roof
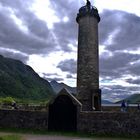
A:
x,y
65,92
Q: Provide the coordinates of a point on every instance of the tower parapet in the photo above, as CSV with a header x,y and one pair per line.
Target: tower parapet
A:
x,y
88,10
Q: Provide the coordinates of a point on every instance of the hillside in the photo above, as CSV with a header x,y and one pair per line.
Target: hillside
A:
x,y
133,99
58,86
106,102
20,81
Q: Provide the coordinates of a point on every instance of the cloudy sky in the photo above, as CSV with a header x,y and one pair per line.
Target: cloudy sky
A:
x,y
43,34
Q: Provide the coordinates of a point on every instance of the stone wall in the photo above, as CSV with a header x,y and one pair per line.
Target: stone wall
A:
x,y
23,119
111,123
115,123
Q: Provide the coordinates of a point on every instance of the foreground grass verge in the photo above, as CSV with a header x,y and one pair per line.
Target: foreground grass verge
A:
x,y
10,137
68,134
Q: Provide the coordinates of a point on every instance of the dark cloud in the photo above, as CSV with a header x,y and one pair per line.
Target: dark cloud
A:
x,y
128,38
134,69
16,4
50,74
55,78
15,55
110,21
116,92
128,30
66,32
133,81
69,8
38,39
68,65
118,64
69,76
114,63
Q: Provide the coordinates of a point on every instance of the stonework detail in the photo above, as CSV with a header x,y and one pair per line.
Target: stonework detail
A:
x,y
109,123
106,123
23,119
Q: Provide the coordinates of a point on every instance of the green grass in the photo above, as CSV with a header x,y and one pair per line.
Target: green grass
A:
x,y
10,137
68,134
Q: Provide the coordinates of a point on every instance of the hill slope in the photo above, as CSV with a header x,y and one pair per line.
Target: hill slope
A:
x,y
58,86
106,102
133,99
20,81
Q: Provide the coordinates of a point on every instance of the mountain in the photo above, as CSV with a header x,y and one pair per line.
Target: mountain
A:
x,y
59,86
20,81
133,99
106,102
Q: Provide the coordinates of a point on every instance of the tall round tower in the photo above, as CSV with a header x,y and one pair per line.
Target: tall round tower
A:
x,y
88,92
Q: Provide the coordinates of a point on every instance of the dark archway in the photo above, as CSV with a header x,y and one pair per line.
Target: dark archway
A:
x,y
62,114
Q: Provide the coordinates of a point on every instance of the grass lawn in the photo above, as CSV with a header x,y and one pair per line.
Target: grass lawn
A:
x,y
39,137
18,133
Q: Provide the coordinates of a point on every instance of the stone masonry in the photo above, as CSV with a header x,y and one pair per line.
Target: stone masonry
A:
x,y
106,123
109,123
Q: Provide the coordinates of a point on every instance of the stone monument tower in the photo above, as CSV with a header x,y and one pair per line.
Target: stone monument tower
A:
x,y
88,92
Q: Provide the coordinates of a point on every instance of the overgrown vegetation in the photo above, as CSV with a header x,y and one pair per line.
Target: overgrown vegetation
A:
x,y
7,103
10,137
7,100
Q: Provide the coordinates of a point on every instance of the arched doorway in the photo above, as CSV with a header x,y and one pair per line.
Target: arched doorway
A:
x,y
62,114
96,102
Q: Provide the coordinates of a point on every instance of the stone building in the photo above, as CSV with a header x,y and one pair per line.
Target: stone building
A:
x,y
66,106
63,112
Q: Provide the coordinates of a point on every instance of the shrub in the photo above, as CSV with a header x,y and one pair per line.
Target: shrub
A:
x,y
8,101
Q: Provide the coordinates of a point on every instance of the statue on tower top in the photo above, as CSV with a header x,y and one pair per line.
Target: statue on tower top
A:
x,y
88,5
88,10
88,2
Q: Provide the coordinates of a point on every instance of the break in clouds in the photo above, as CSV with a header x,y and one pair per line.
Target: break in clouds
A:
x,y
22,34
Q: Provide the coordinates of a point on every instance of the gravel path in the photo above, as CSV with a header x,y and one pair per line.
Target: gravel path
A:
x,y
40,137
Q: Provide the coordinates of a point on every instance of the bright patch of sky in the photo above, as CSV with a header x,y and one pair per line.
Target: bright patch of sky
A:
x,y
15,19
65,19
137,51
130,6
49,64
101,49
43,11
111,37
19,22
